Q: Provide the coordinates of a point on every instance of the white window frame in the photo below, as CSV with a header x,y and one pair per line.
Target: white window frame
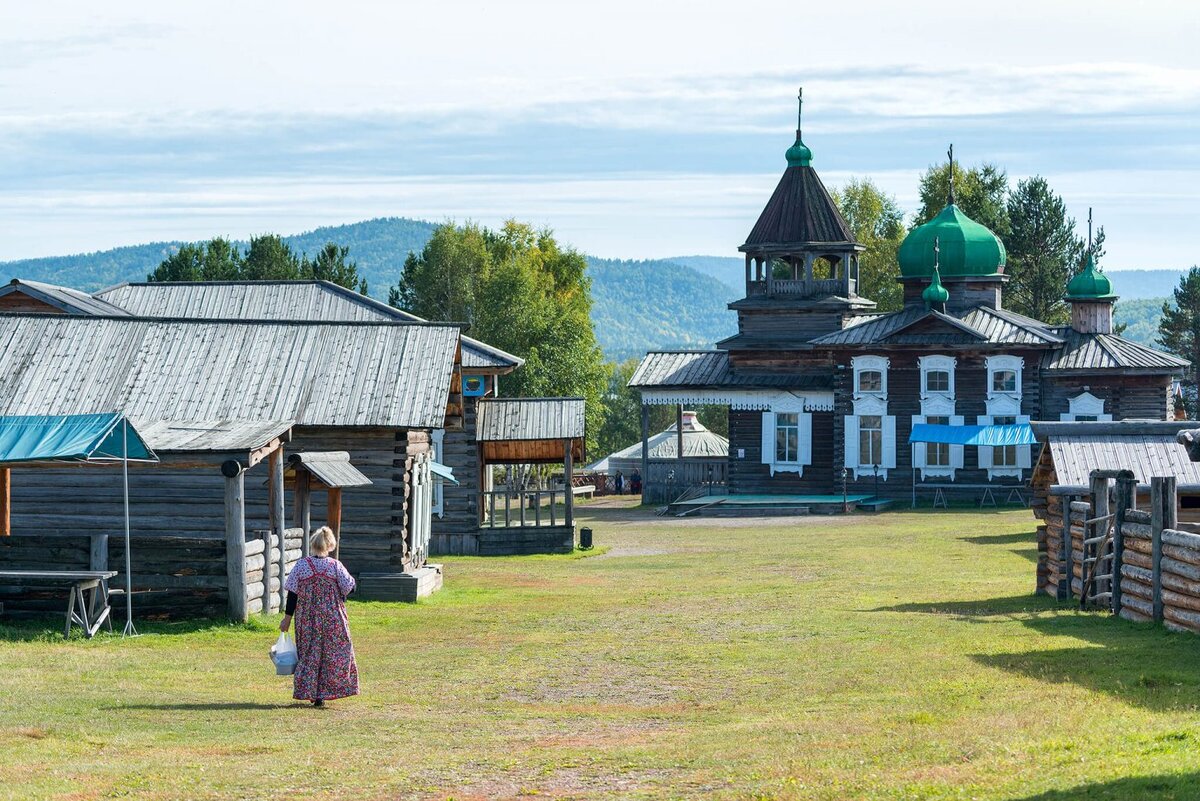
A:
x,y
929,364
996,364
1024,452
787,404
438,436
1085,404
920,452
862,364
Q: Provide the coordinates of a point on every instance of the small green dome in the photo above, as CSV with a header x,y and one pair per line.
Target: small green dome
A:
x,y
935,294
966,248
798,155
1090,284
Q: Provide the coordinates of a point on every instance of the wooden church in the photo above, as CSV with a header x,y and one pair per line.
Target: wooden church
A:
x,y
823,391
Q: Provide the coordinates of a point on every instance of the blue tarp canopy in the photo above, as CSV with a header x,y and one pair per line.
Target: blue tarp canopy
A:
x,y
69,438
443,472
987,436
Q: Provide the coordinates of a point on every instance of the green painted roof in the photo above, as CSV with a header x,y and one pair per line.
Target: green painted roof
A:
x,y
967,248
1090,284
935,293
798,155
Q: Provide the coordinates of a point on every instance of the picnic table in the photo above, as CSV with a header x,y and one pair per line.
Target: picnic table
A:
x,y
90,611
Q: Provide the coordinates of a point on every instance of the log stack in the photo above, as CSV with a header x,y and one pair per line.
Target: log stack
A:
x,y
1052,568
1137,575
1180,576
263,565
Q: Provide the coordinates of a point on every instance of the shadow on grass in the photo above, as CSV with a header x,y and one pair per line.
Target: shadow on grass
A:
x,y
233,706
1141,664
1008,538
49,628
1176,787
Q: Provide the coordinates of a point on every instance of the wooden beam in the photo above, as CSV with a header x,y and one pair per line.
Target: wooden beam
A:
x,y
678,433
278,523
5,502
568,475
303,512
335,517
235,539
258,454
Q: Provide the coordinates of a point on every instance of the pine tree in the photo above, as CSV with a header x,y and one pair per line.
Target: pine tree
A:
x,y
1043,252
877,222
1179,332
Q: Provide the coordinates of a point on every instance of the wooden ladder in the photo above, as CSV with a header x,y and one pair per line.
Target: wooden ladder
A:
x,y
1096,591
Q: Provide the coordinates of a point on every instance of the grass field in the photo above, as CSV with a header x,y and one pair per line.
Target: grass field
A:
x,y
895,656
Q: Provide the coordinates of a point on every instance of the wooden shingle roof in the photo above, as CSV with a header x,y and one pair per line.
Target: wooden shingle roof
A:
x,y
709,369
528,419
800,210
1109,352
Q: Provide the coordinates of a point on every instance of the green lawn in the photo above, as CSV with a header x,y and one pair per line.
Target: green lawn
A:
x,y
892,656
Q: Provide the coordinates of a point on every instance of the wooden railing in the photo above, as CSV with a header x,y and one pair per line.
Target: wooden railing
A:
x,y
800,288
507,508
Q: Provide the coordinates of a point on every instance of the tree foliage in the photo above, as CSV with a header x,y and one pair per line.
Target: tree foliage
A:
x,y
266,258
878,223
1044,252
1179,331
980,192
518,290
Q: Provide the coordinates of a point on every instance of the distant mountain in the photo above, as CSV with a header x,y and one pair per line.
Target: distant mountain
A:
x,y
637,305
379,246
646,305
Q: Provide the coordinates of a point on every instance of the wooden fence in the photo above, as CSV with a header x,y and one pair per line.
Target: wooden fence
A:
x,y
1140,563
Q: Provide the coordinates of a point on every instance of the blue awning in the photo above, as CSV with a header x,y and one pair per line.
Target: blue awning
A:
x,y
986,436
69,438
443,472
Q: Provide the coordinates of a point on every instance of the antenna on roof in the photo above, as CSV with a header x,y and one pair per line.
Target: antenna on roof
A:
x,y
950,154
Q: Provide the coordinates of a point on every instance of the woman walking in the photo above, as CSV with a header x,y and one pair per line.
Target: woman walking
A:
x,y
317,589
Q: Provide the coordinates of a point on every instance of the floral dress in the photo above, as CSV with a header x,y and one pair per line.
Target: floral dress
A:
x,y
325,669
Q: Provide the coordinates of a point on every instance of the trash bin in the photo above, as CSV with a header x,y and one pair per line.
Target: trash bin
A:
x,y
585,538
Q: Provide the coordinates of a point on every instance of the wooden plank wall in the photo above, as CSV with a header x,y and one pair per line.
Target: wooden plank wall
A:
x,y
1125,396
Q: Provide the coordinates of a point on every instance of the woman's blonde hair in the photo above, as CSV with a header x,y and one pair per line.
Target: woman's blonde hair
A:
x,y
322,541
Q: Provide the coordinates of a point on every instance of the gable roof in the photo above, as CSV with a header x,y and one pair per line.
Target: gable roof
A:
x,y
710,369
279,300
71,301
978,324
800,211
1109,352
1147,448
527,419
394,375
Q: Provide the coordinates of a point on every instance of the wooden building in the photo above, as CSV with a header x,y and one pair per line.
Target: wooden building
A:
x,y
823,391
685,454
216,398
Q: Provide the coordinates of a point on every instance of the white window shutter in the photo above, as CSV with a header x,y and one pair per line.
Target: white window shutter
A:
x,y
889,442
438,505
985,454
805,438
851,440
956,451
1024,452
919,455
768,439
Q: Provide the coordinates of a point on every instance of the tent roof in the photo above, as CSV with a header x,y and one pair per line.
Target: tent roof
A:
x,y
69,438
698,443
987,436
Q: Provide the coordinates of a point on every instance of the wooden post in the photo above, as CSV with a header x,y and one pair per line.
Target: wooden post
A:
x,y
335,518
1124,500
235,539
5,502
645,450
770,275
278,522
678,438
1156,529
568,491
303,506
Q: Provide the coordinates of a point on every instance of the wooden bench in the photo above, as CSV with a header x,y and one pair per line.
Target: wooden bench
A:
x,y
89,613
987,498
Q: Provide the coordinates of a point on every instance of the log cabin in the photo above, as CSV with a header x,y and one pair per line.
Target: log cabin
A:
x,y
216,398
459,517
823,390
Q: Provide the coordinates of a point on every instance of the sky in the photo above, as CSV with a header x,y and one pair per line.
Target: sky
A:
x,y
633,129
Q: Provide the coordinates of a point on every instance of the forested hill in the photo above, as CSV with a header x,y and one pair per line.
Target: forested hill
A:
x,y
644,305
379,246
638,305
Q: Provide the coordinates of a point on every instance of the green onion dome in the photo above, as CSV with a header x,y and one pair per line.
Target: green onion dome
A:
x,y
935,294
1090,284
798,155
966,248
